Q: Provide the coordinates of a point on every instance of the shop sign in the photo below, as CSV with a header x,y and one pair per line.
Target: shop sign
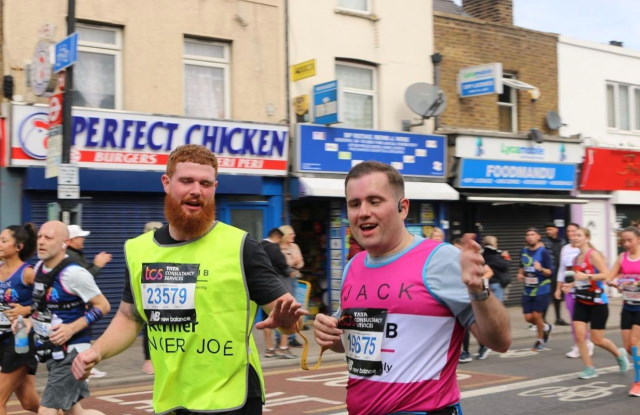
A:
x,y
326,107
480,80
336,150
500,174
496,148
303,70
607,169
130,141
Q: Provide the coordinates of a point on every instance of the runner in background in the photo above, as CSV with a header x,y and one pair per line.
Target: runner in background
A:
x,y
568,253
592,305
625,274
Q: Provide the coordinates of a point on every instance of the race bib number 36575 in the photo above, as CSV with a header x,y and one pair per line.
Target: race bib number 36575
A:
x,y
364,331
168,292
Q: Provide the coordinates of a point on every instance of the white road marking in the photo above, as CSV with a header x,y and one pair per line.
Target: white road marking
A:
x,y
531,383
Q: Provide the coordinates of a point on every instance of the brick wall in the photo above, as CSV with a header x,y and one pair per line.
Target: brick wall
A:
x,y
496,11
530,55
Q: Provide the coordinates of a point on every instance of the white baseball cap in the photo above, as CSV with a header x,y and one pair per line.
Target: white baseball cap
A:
x,y
76,231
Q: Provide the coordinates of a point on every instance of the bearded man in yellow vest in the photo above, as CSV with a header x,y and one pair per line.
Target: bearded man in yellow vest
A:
x,y
197,283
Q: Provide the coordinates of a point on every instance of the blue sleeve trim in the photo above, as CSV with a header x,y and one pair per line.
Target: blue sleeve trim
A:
x,y
424,274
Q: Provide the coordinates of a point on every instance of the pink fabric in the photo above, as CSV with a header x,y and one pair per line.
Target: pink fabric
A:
x,y
399,287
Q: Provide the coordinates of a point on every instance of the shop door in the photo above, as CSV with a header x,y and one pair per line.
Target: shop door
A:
x,y
248,218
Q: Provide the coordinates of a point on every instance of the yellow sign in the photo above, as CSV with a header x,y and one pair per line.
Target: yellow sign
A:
x,y
303,70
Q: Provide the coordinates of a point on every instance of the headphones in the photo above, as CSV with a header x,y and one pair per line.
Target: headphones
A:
x,y
64,245
399,205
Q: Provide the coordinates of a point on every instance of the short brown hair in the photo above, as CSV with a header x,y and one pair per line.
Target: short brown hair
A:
x,y
191,153
367,167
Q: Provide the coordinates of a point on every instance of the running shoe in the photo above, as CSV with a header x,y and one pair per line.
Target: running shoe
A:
x,y
588,373
635,389
483,353
295,343
538,346
96,374
622,360
270,353
285,353
574,353
465,357
547,332
561,322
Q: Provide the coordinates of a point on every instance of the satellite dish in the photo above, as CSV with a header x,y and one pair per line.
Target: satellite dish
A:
x,y
553,120
425,99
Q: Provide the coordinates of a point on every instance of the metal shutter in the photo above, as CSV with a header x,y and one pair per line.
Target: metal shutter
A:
x,y
112,218
509,223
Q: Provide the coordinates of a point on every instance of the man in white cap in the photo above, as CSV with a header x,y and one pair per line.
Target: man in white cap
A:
x,y
76,244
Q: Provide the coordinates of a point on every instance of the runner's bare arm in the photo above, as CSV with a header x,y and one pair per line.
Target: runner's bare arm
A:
x,y
120,334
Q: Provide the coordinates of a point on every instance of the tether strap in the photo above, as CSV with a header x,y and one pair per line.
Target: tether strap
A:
x,y
305,352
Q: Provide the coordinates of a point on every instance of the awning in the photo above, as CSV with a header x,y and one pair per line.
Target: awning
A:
x,y
516,84
531,200
324,187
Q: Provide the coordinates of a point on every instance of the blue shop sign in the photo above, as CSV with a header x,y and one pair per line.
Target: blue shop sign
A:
x,y
336,150
325,103
503,174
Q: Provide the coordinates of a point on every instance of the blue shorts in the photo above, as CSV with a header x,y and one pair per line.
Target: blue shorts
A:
x,y
538,303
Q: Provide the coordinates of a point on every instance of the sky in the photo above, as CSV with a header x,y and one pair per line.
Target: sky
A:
x,y
598,21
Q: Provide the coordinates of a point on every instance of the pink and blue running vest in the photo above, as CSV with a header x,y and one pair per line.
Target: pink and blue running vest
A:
x,y
14,290
630,270
421,337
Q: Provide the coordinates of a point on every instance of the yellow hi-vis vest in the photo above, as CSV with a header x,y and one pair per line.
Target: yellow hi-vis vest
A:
x,y
201,365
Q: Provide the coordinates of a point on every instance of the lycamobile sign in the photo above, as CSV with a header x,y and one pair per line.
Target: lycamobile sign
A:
x,y
539,151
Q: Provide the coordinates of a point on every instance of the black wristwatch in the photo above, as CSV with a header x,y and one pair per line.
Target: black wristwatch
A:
x,y
482,295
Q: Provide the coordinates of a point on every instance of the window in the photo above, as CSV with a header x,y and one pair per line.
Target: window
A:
x,y
623,106
362,6
507,107
359,96
206,79
96,75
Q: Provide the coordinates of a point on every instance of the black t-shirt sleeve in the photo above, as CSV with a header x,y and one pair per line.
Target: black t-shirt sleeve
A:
x,y
262,281
264,285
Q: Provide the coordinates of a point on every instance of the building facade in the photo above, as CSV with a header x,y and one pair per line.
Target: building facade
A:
x,y
150,75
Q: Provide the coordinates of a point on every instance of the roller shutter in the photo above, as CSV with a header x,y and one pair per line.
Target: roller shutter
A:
x,y
509,224
112,218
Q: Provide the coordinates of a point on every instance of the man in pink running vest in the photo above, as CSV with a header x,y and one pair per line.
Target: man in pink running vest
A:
x,y
405,303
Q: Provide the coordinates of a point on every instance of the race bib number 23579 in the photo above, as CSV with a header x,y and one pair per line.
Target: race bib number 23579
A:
x,y
168,292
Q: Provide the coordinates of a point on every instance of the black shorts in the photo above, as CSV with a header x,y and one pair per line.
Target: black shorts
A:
x,y
596,314
628,319
10,361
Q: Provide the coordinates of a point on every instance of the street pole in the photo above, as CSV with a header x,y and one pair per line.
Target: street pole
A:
x,y
67,120
68,90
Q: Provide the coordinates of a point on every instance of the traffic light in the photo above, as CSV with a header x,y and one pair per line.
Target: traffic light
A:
x,y
7,86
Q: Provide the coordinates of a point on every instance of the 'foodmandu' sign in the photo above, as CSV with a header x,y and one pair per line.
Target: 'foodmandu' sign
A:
x,y
130,141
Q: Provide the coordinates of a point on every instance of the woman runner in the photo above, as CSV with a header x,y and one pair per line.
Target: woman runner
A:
x,y
17,244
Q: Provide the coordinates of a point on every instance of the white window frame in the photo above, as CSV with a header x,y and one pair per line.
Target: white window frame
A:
x,y
513,101
367,10
359,91
221,63
114,49
633,107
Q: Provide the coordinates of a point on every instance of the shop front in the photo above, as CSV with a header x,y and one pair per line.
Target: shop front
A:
x,y
318,210
510,184
121,157
613,176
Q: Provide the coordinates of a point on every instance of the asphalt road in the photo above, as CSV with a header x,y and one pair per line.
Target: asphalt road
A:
x,y
518,382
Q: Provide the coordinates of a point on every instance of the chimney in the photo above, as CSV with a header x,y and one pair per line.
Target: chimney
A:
x,y
495,11
616,43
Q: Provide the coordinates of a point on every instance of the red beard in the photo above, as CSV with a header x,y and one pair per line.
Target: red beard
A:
x,y
191,224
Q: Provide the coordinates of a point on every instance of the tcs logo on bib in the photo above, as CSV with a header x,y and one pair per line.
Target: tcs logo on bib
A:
x,y
153,274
